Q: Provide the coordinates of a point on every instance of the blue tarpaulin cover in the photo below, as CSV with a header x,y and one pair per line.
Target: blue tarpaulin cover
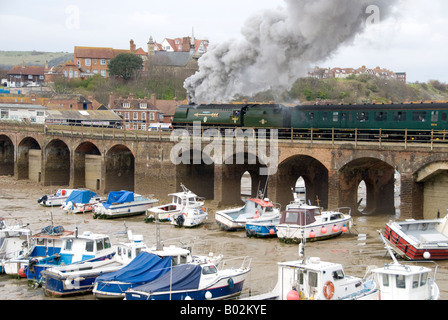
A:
x,y
182,277
118,197
144,268
80,196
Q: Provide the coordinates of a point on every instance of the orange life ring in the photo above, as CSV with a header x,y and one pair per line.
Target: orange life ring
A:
x,y
329,290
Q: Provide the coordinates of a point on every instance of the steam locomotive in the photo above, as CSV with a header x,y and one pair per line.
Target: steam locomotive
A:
x,y
417,119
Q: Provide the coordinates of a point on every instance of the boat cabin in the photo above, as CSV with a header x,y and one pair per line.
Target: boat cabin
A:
x,y
259,206
307,215
178,255
404,282
87,246
126,252
316,279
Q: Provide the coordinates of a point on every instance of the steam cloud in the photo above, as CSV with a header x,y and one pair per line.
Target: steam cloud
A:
x,y
278,47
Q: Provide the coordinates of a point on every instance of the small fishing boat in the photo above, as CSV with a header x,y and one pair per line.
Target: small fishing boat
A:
x,y
79,278
122,204
419,239
55,200
185,209
149,265
405,282
44,244
15,241
75,248
81,201
314,279
255,209
301,221
194,282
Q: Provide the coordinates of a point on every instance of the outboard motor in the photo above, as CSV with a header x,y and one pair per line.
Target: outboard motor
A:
x,y
43,199
180,219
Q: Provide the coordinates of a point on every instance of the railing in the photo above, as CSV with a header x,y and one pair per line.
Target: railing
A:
x,y
427,138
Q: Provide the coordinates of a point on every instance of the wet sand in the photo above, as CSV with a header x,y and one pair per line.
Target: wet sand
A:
x,y
355,250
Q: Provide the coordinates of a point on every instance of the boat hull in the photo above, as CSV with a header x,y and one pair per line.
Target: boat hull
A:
x,y
226,288
413,251
262,230
227,223
296,233
120,211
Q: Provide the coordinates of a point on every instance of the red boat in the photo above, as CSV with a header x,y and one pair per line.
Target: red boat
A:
x,y
419,239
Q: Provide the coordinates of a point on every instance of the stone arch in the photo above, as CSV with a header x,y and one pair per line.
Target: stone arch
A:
x,y
29,160
312,171
87,166
378,176
6,155
119,169
198,177
57,163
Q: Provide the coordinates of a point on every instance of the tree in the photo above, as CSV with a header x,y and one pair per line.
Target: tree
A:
x,y
125,65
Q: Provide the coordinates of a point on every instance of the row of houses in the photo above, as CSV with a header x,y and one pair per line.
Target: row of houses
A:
x,y
129,112
87,61
341,73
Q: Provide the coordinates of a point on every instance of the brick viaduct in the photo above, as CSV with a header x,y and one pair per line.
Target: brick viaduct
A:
x,y
105,160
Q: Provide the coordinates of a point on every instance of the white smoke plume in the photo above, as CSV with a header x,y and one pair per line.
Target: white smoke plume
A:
x,y
279,46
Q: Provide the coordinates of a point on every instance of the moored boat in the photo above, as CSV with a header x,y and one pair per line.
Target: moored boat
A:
x,y
55,200
183,210
301,221
419,239
122,204
194,282
81,201
15,241
255,208
79,278
44,244
75,248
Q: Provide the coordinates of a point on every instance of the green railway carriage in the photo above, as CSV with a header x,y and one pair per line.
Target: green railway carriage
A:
x,y
373,117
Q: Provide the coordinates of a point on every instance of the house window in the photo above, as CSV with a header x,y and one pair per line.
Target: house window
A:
x,y
30,77
88,62
143,105
103,62
103,73
41,77
126,105
144,116
79,63
126,115
135,115
76,74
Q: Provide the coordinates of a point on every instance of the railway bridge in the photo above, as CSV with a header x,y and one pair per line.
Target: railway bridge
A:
x,y
110,159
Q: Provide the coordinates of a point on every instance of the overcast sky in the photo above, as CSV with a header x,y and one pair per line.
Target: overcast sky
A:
x,y
414,40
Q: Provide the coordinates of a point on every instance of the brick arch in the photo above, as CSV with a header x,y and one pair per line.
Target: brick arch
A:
x,y
87,164
378,176
57,163
119,168
29,159
6,155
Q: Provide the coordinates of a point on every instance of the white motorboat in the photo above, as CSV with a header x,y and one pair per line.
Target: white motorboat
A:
x,y
314,279
15,241
123,204
186,209
55,200
255,209
301,221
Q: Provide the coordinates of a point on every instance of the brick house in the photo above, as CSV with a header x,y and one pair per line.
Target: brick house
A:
x,y
68,70
95,60
137,114
23,76
69,102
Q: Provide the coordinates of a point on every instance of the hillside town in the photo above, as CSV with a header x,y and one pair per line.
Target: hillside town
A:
x,y
25,95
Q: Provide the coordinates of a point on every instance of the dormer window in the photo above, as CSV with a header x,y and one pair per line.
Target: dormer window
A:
x,y
126,105
143,105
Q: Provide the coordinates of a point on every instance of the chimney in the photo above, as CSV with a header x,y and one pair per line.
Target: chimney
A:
x,y
153,99
151,47
133,47
111,100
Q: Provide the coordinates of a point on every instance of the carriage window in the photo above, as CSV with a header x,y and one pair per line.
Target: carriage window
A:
x,y
335,116
443,116
380,116
419,116
399,116
362,116
311,116
434,116
324,116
